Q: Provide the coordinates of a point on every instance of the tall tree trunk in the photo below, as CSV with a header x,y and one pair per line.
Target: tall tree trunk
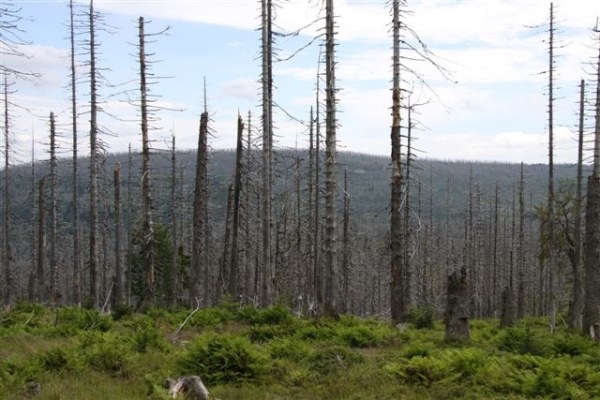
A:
x,y
199,269
41,242
268,275
93,240
317,265
591,309
225,267
147,224
75,206
398,300
346,256
576,305
550,224
129,224
330,288
54,271
118,289
174,278
233,281
521,249
6,255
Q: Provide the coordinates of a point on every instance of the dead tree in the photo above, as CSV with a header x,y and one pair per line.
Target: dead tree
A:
x,y
94,152
148,253
330,306
576,304
40,278
591,308
174,279
268,276
456,317
54,270
399,300
507,313
199,269
118,289
233,284
6,254
75,179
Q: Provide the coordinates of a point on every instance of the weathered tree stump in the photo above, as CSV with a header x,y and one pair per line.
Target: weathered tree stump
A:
x,y
508,313
456,317
188,387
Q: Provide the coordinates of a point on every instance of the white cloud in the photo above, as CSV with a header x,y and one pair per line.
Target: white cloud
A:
x,y
246,89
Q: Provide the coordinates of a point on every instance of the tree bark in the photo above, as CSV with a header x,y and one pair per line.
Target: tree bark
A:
x,y
233,281
199,269
576,305
77,284
93,239
398,301
147,223
54,271
330,288
456,317
118,290
591,309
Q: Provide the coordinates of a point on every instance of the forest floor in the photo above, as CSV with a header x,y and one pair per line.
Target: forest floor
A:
x,y
245,353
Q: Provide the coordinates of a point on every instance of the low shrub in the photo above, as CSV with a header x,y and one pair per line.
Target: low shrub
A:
x,y
523,341
421,318
55,359
332,359
221,359
146,336
289,349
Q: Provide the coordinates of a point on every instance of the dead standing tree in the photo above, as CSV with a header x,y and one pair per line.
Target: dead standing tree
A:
x,y
456,317
199,268
591,309
399,299
330,306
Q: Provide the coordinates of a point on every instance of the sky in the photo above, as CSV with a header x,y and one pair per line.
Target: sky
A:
x,y
490,105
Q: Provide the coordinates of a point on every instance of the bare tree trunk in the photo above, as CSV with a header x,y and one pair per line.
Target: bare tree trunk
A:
x,y
76,217
32,283
576,305
129,224
346,256
41,242
118,289
93,246
54,271
310,206
521,249
317,267
225,266
398,300
507,314
456,317
233,283
174,278
199,268
551,234
6,256
330,288
591,309
147,228
267,83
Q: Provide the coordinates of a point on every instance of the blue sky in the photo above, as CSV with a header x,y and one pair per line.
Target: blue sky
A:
x,y
493,108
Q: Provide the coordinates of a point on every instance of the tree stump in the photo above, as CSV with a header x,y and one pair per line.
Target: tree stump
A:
x,y
508,312
456,317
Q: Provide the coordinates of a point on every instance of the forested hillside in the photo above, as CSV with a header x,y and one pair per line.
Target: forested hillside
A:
x,y
447,201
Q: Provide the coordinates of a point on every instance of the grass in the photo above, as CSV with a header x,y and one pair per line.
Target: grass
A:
x,y
247,353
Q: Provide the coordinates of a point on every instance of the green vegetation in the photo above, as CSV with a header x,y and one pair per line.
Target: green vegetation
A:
x,y
248,353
